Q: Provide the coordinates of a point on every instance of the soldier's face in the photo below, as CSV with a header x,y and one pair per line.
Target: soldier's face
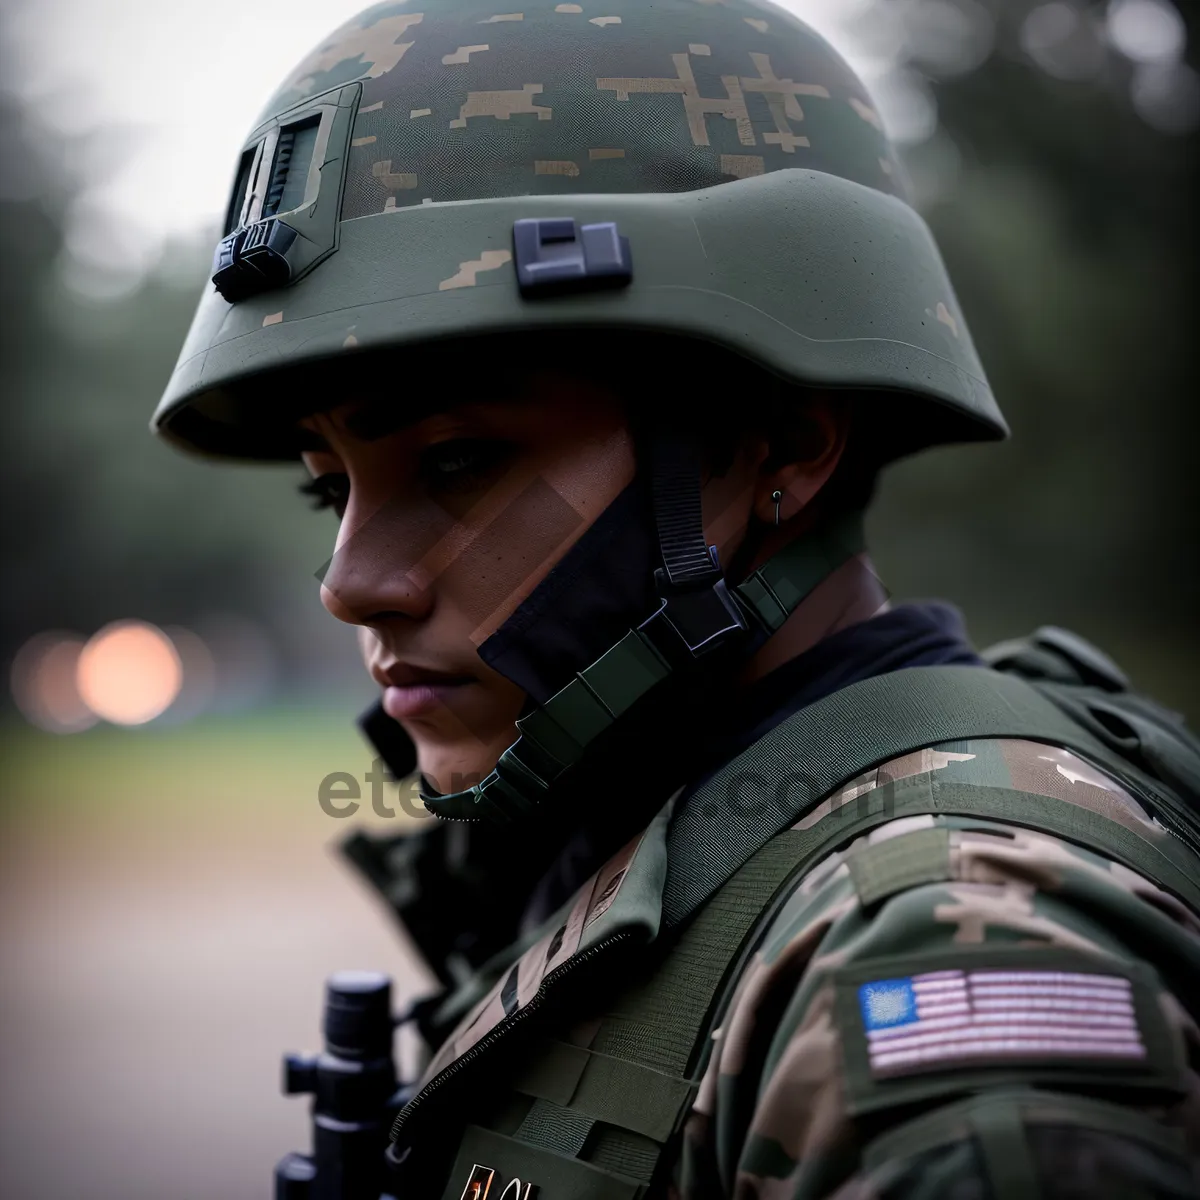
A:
x,y
447,524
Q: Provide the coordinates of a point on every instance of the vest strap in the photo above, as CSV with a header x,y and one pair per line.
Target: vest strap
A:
x,y
799,762
636,1081
606,1088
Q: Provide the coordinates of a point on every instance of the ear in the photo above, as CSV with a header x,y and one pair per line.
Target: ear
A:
x,y
802,458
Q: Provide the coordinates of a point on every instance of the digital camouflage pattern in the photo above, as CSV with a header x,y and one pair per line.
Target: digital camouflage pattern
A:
x,y
461,101
786,1109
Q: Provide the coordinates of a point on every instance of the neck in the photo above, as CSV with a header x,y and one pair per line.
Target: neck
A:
x,y
850,594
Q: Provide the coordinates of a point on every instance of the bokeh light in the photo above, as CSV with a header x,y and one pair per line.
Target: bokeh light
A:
x,y
1146,31
244,658
44,684
1167,96
199,676
129,673
1062,41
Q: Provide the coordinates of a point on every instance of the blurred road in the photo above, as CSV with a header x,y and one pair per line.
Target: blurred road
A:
x,y
169,909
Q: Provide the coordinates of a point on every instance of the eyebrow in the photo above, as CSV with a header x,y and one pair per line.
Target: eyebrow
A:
x,y
308,440
378,418
381,416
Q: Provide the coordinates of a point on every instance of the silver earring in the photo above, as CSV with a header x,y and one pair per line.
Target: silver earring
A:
x,y
776,497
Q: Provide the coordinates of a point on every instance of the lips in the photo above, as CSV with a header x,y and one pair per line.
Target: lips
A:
x,y
413,691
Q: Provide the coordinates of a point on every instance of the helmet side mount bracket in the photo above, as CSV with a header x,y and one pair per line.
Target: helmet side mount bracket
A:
x,y
284,210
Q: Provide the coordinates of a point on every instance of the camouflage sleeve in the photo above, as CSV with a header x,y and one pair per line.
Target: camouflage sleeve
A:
x,y
1011,1022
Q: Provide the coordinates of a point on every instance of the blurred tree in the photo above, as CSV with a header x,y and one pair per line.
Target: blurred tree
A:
x,y
1061,186
100,521
1066,222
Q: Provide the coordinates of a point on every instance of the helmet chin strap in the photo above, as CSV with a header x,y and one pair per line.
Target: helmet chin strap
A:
x,y
700,625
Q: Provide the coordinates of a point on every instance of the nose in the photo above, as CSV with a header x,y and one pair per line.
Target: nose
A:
x,y
378,569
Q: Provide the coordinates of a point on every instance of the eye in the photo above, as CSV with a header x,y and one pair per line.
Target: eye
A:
x,y
462,462
330,490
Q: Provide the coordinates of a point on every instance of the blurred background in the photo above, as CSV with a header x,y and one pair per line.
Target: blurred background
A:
x,y
169,902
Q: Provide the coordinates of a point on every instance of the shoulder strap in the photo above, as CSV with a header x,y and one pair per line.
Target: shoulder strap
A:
x,y
1084,682
615,1104
784,773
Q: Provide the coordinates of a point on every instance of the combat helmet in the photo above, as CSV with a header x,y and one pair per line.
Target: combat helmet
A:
x,y
706,168
707,171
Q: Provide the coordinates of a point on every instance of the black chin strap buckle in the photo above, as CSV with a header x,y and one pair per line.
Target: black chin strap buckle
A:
x,y
695,617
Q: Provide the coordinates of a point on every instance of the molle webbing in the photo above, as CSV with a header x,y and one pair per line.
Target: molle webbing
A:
x,y
625,1094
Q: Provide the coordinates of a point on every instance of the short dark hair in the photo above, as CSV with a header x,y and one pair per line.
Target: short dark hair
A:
x,y
665,379
724,398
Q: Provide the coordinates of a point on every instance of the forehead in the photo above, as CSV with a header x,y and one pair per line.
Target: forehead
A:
x,y
503,399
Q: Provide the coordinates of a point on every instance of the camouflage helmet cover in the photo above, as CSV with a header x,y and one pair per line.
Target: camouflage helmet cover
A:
x,y
731,146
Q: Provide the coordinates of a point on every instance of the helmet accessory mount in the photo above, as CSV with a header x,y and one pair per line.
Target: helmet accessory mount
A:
x,y
556,254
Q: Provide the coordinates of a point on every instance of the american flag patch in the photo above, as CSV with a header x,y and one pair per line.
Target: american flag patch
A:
x,y
946,1017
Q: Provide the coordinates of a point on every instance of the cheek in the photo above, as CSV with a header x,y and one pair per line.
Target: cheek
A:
x,y
545,515
504,560
591,475
392,531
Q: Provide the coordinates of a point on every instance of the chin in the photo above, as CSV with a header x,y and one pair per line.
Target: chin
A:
x,y
454,767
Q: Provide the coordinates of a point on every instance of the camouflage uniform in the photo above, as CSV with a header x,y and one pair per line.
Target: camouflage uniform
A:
x,y
743,162
777,1116
791,1103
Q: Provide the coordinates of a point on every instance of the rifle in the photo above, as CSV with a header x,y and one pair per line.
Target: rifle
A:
x,y
355,1095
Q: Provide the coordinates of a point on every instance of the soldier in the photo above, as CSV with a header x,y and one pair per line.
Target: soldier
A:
x,y
594,324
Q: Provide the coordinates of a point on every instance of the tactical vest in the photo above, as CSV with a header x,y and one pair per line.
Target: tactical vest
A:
x,y
581,1093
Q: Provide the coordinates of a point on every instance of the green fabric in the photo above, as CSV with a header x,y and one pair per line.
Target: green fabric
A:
x,y
615,1103
892,866
1007,1161
803,759
633,1097
637,1079
623,1152
1032,1109
550,1125
1167,864
789,576
615,1090
552,1071
625,673
658,1024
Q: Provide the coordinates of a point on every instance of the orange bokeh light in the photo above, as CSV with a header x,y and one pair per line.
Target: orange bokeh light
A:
x,y
129,673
